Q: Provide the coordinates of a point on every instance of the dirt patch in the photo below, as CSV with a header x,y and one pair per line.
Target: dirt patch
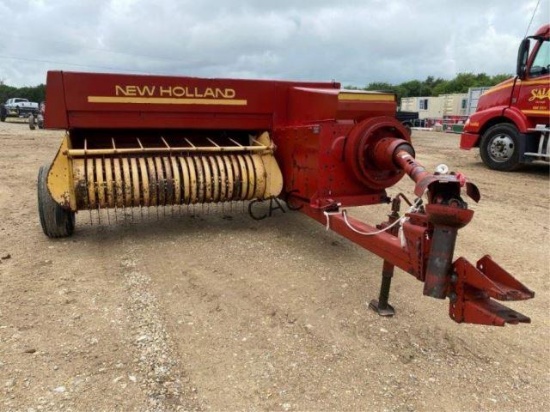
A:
x,y
192,310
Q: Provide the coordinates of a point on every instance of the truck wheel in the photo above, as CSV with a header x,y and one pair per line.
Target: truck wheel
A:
x,y
499,147
55,221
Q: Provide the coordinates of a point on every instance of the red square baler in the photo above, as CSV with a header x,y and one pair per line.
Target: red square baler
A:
x,y
136,141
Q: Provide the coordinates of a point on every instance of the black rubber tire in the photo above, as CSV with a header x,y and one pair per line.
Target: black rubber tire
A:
x,y
499,147
55,221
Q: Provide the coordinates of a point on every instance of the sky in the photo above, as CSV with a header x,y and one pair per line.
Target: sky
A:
x,y
355,42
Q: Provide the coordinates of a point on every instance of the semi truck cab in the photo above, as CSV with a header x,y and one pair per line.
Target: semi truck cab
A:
x,y
512,122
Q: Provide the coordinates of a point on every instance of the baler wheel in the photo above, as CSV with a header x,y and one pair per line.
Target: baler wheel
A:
x,y
55,221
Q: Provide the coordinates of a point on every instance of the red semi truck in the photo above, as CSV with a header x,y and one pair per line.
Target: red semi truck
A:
x,y
511,124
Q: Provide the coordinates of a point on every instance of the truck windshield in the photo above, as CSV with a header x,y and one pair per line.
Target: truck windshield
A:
x,y
541,63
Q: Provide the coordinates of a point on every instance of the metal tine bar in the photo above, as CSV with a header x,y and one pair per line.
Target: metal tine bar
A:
x,y
237,143
213,142
100,152
165,142
85,146
113,142
139,142
190,144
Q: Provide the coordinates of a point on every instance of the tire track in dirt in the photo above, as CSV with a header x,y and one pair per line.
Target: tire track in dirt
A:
x,y
166,383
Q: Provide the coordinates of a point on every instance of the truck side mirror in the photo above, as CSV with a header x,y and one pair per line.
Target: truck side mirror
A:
x,y
523,55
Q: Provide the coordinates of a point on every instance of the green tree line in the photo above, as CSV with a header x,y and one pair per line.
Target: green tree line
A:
x,y
34,94
413,88
435,87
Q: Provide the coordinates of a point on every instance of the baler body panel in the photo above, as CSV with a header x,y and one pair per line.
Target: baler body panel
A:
x,y
134,115
313,162
100,101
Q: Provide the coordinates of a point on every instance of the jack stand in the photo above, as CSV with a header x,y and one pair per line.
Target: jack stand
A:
x,y
381,306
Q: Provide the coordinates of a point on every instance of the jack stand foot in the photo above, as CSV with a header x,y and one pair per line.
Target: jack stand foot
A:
x,y
382,310
381,305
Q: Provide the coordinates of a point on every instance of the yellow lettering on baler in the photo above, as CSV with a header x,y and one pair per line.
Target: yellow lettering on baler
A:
x,y
125,90
229,93
146,90
197,93
132,90
147,94
178,91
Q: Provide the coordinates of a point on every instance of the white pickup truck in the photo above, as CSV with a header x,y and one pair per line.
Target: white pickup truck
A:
x,y
20,107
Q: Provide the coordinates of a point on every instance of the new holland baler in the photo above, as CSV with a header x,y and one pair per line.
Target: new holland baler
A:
x,y
150,141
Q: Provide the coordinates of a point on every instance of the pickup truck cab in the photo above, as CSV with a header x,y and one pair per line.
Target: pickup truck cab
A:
x,y
18,106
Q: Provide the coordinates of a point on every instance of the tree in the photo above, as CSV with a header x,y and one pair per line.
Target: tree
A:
x,y
34,94
435,87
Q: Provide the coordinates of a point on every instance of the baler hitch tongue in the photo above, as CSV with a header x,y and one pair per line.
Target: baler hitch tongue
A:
x,y
474,288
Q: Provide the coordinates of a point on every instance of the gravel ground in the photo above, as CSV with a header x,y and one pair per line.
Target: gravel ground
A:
x,y
207,309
